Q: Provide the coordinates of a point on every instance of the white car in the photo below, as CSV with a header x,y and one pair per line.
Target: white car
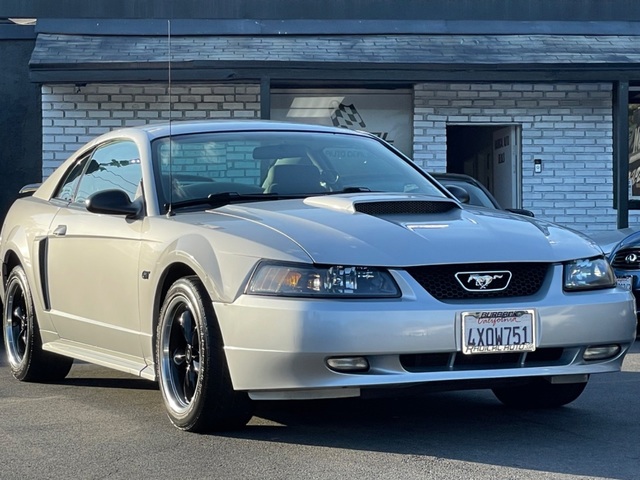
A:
x,y
243,261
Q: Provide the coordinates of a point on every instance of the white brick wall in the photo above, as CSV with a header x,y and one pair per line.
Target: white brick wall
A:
x,y
72,115
568,126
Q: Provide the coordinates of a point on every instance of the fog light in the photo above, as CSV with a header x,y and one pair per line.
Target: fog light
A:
x,y
348,364
601,352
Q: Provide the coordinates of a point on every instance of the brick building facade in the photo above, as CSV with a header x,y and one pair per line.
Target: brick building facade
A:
x,y
567,126
553,82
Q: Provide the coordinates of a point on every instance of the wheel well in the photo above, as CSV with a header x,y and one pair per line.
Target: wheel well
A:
x,y
10,261
173,273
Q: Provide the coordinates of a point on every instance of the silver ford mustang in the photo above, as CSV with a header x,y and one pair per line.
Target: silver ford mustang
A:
x,y
242,261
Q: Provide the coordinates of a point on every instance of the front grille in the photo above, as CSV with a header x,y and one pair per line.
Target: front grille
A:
x,y
627,259
411,207
457,361
440,280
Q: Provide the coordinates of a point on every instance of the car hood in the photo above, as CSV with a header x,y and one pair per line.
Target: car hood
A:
x,y
398,230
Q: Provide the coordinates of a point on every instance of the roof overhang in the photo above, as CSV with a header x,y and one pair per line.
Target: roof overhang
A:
x,y
75,58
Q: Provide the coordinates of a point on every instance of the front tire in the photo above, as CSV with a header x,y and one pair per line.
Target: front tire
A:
x,y
22,341
539,393
192,367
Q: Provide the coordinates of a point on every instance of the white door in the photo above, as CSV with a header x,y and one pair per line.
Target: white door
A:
x,y
506,154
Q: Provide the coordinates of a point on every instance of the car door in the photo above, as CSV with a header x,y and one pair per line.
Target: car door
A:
x,y
92,259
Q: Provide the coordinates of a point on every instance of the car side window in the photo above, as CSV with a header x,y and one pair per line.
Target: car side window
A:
x,y
115,165
67,188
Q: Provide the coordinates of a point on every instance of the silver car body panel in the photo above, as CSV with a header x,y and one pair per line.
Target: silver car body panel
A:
x,y
277,347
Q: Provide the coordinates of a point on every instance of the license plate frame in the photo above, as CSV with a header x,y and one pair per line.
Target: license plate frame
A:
x,y
625,282
498,331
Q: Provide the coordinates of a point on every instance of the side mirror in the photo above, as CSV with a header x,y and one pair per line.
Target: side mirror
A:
x,y
29,190
113,202
460,193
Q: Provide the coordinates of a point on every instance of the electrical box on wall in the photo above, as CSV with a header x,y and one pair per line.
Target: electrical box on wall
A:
x,y
537,165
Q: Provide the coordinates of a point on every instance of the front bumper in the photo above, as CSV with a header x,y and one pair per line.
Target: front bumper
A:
x,y
278,347
635,288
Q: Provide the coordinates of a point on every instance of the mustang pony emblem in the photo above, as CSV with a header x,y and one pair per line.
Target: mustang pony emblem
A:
x,y
483,281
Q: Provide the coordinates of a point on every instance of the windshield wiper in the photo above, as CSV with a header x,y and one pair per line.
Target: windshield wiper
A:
x,y
216,200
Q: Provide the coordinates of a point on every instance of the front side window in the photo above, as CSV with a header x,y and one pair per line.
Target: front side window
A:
x,y
115,165
67,189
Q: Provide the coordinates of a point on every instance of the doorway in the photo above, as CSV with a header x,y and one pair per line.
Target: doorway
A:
x,y
491,154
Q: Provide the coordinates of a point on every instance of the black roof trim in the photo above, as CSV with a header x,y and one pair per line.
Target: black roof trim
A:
x,y
9,31
321,75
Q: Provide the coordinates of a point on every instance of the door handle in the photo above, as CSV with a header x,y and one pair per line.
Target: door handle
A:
x,y
60,231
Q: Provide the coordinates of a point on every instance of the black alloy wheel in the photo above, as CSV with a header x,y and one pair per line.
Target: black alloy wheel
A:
x,y
192,368
27,360
184,348
16,324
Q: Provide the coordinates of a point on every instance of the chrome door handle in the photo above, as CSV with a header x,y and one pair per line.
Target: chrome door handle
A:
x,y
60,231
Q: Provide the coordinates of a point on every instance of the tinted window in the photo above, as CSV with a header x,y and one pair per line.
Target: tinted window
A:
x,y
67,188
112,166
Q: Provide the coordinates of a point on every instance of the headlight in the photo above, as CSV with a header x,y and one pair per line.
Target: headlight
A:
x,y
588,274
298,280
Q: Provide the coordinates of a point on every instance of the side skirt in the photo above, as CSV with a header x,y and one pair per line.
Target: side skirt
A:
x,y
104,358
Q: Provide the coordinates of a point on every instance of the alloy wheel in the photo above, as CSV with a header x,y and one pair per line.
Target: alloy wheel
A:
x,y
181,355
17,324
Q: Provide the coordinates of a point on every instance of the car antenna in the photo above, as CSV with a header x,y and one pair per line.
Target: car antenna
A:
x,y
169,207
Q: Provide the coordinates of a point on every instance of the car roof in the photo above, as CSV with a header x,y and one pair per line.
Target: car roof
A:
x,y
201,126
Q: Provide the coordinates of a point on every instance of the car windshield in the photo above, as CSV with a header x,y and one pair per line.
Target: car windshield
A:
x,y
268,164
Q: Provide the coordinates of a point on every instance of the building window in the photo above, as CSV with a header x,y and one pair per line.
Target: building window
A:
x,y
385,113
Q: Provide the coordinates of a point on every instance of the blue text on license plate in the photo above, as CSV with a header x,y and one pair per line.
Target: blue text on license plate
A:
x,y
498,331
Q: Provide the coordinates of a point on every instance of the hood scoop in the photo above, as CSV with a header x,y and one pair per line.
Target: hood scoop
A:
x,y
384,204
403,207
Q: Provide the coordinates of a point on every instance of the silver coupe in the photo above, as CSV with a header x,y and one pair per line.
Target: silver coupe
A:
x,y
237,261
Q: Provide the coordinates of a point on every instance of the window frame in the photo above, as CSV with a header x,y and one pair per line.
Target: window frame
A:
x,y
90,156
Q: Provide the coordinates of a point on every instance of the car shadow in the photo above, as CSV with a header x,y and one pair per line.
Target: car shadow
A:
x,y
83,374
472,426
133,383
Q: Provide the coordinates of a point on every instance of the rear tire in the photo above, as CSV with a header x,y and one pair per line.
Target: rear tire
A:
x,y
22,341
192,368
539,393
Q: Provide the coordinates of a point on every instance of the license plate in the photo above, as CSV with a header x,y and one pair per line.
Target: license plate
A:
x,y
498,331
625,282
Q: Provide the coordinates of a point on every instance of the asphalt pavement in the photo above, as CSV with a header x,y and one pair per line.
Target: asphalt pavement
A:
x,y
101,424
